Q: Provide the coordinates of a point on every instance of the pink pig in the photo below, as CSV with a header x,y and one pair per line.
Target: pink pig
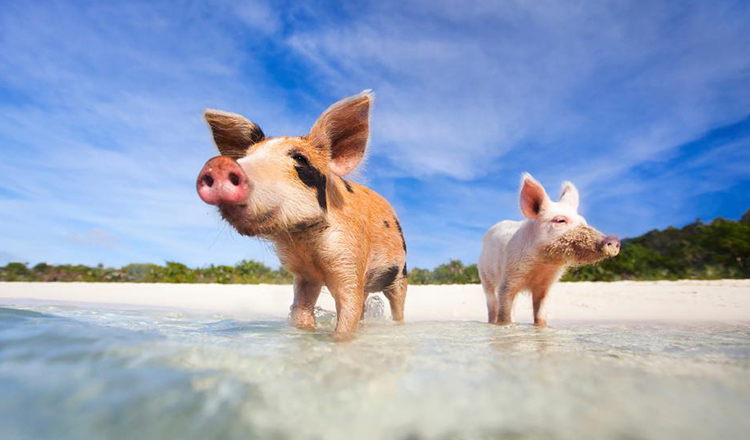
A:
x,y
533,254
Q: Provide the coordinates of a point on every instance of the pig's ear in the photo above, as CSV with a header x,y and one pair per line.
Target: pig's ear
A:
x,y
534,199
344,130
569,195
233,133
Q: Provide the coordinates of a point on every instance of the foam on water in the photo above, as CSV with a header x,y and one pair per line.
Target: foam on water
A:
x,y
74,373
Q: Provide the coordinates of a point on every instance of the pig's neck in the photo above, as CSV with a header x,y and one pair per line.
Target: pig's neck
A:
x,y
298,247
307,249
535,249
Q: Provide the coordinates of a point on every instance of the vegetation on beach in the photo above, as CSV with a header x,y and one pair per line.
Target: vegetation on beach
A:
x,y
244,272
719,249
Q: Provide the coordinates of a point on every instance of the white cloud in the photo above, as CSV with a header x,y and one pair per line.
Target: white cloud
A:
x,y
462,84
107,134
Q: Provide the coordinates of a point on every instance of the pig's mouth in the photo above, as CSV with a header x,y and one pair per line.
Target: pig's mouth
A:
x,y
247,222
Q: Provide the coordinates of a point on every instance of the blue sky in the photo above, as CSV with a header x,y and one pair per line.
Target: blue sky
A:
x,y
644,105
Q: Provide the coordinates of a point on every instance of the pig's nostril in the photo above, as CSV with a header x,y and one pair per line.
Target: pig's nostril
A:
x,y
612,243
208,180
234,178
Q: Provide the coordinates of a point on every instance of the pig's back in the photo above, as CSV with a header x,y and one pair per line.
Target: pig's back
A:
x,y
494,244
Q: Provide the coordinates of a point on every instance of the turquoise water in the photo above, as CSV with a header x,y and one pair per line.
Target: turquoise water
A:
x,y
85,373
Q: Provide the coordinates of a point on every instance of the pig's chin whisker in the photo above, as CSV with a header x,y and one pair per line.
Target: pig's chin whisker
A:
x,y
248,224
267,216
218,234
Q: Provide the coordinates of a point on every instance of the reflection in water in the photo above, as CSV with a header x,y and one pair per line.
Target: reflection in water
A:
x,y
82,373
522,338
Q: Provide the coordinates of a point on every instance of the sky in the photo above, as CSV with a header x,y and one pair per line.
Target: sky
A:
x,y
645,106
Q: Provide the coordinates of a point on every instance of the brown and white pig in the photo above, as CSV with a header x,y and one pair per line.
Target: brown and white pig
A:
x,y
533,254
291,190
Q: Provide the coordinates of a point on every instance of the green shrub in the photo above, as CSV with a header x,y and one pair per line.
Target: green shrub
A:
x,y
720,249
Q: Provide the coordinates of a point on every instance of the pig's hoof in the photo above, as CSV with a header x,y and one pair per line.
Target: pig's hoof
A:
x,y
305,326
342,336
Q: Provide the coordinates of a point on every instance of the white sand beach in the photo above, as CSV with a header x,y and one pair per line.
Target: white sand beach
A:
x,y
723,300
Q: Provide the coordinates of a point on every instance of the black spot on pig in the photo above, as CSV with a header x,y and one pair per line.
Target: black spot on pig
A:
x,y
381,281
348,187
386,224
312,177
401,232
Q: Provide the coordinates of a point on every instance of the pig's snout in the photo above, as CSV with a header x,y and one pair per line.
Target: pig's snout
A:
x,y
222,181
611,245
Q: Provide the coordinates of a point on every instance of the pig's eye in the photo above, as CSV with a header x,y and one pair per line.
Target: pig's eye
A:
x,y
560,220
300,159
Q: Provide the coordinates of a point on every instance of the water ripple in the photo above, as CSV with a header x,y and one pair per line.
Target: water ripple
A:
x,y
74,373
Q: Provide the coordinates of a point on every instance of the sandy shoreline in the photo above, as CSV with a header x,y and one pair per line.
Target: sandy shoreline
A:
x,y
722,301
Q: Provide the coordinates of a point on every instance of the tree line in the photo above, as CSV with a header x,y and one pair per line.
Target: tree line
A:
x,y
715,250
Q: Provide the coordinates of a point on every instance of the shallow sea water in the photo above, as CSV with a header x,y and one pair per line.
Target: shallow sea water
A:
x,y
92,373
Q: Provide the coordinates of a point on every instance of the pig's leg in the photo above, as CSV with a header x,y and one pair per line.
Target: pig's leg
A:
x,y
539,297
350,303
506,296
493,306
362,318
396,295
305,297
